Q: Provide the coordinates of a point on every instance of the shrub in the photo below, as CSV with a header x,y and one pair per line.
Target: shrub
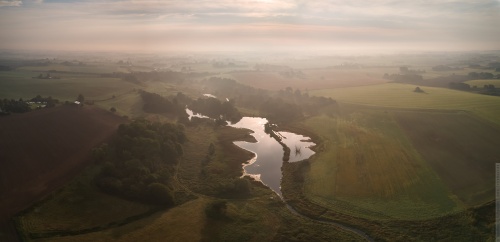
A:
x,y
160,194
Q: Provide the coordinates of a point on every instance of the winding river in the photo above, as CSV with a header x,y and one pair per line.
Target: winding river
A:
x,y
266,165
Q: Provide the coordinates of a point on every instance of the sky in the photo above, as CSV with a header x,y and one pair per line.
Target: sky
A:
x,y
250,25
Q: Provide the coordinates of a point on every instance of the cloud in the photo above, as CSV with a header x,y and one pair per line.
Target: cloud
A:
x,y
250,24
10,3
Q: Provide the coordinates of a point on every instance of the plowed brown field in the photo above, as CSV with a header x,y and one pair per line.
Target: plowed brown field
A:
x,y
43,149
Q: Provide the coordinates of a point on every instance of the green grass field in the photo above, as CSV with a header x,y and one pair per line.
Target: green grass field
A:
x,y
402,96
402,154
367,167
20,84
460,148
481,83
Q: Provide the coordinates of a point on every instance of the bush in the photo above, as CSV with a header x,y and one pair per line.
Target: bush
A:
x,y
160,194
216,210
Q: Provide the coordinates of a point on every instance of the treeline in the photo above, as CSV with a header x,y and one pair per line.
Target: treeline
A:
x,y
8,106
154,103
216,109
481,75
283,106
410,78
48,101
139,163
155,76
459,86
176,104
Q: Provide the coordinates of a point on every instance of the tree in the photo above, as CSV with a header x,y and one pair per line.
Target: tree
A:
x,y
80,98
160,194
417,89
216,209
112,109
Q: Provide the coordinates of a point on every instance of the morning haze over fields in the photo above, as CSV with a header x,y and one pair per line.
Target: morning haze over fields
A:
x,y
252,120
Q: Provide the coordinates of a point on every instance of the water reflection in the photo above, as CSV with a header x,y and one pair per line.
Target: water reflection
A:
x,y
266,165
191,114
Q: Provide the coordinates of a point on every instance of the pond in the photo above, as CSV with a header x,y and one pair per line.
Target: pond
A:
x,y
192,114
266,165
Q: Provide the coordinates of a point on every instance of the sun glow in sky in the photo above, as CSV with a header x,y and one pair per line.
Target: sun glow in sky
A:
x,y
249,25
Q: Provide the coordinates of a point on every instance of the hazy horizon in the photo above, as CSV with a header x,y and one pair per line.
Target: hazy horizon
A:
x,y
259,25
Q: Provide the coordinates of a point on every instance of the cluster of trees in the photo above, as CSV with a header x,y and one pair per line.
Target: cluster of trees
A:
x,y
292,73
237,187
140,162
489,86
490,89
460,86
154,103
173,105
220,64
279,110
13,106
480,75
281,106
129,77
419,90
410,78
214,108
407,70
8,106
444,68
48,101
46,76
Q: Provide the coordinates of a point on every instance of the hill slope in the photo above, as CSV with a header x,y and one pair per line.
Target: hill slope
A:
x,y
43,149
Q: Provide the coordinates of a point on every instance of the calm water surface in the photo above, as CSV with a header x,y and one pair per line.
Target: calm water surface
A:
x,y
266,165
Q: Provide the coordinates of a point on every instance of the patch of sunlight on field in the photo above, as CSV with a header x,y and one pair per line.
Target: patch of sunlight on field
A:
x,y
182,223
481,83
128,103
402,96
365,162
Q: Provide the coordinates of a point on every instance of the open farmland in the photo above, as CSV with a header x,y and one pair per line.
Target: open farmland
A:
x,y
20,84
402,96
320,78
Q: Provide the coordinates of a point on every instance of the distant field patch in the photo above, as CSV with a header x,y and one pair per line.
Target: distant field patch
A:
x,y
481,83
312,78
21,84
402,96
90,68
460,148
